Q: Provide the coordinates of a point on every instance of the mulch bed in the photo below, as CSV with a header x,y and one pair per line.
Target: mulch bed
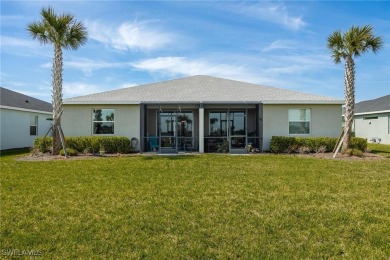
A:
x,y
49,157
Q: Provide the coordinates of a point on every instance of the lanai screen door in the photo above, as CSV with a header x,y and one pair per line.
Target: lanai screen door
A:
x,y
168,132
237,132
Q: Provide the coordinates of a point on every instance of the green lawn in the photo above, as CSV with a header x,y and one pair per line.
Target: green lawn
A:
x,y
199,206
381,149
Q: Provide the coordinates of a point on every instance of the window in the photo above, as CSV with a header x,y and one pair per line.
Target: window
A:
x,y
299,121
33,125
103,121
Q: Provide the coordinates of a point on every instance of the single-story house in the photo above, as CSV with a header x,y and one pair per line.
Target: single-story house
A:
x,y
372,120
22,119
203,114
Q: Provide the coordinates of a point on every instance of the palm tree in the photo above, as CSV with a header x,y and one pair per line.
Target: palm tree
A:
x,y
62,31
353,43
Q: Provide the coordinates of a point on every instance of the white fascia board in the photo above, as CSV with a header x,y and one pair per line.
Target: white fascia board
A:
x,y
308,102
26,110
373,112
102,102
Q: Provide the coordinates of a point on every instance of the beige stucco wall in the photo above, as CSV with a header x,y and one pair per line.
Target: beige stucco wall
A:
x,y
325,121
370,128
77,120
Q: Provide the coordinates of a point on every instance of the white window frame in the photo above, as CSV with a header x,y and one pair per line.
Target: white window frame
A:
x,y
36,124
310,121
93,121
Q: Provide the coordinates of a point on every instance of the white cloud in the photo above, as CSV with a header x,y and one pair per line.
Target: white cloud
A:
x,y
79,89
143,36
271,12
128,85
280,44
89,65
22,47
174,66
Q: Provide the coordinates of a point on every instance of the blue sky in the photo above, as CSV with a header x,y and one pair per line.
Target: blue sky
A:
x,y
274,43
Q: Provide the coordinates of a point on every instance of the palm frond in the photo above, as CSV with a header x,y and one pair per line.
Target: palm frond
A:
x,y
336,46
59,29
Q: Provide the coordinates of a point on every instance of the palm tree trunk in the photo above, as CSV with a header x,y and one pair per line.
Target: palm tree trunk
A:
x,y
349,82
57,97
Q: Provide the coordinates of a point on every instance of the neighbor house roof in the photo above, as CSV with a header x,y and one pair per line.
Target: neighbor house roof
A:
x,y
203,89
381,104
14,100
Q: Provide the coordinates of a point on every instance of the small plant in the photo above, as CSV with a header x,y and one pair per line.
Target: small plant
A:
x,y
321,149
304,150
354,152
293,148
69,151
223,147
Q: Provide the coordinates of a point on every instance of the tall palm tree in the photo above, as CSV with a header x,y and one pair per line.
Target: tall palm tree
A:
x,y
353,43
62,31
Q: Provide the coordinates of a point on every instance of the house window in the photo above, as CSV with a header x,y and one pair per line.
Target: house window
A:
x,y
33,125
103,121
299,121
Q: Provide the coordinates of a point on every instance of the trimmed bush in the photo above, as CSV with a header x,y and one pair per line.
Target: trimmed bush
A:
x,y
280,144
45,144
358,143
69,151
354,152
284,144
90,144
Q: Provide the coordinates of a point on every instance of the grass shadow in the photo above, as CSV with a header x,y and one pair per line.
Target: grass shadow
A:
x,y
18,151
168,157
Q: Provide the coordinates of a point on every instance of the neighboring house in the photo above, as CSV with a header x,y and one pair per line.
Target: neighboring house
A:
x,y
23,119
202,113
372,120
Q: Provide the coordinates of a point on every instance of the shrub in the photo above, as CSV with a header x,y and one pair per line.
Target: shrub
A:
x,y
111,144
283,144
44,144
354,152
69,151
280,144
358,143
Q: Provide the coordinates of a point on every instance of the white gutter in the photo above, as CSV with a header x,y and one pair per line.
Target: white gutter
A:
x,y
373,112
102,102
286,102
26,110
316,102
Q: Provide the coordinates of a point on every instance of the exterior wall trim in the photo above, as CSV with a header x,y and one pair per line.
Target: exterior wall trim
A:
x,y
26,110
373,112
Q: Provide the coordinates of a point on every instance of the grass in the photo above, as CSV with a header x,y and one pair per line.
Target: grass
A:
x,y
381,149
200,206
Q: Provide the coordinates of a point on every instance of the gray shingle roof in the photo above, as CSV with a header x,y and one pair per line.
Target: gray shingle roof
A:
x,y
201,89
378,104
14,99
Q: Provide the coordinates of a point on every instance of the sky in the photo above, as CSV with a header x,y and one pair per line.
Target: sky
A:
x,y
273,43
